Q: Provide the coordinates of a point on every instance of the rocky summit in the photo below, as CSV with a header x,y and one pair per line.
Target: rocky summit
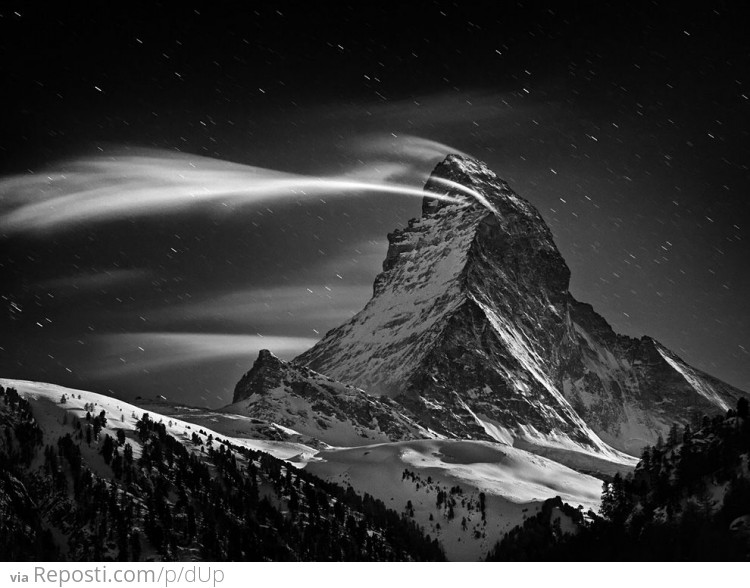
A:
x,y
473,331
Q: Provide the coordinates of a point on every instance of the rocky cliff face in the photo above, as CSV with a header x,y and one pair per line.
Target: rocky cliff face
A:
x,y
472,330
314,405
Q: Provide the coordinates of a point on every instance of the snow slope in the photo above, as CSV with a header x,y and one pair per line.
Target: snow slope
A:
x,y
123,415
381,346
514,481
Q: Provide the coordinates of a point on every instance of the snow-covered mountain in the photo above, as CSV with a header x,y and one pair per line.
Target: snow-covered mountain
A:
x,y
472,366
473,330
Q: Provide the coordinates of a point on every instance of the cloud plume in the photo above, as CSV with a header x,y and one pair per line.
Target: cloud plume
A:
x,y
405,147
158,182
134,353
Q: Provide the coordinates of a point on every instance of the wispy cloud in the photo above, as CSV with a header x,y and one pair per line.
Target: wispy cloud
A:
x,y
404,147
156,182
138,353
341,287
284,307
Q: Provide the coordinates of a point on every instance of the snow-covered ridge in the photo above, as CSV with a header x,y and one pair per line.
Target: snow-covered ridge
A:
x,y
418,291
317,407
692,378
124,415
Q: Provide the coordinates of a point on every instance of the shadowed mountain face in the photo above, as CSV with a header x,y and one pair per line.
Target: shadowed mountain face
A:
x,y
472,327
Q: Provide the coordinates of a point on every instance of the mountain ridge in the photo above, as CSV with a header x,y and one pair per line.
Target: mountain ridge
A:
x,y
314,405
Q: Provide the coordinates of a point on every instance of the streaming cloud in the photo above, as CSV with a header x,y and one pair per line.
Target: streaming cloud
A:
x,y
157,182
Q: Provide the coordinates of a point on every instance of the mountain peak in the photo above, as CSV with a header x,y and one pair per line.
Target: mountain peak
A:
x,y
473,328
267,373
461,167
491,239
462,178
266,356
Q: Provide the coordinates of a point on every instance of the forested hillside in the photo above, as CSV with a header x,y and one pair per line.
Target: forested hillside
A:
x,y
75,492
688,499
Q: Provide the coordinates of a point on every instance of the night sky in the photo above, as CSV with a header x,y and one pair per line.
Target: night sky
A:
x,y
161,220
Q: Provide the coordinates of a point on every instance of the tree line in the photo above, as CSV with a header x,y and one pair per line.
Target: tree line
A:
x,y
688,499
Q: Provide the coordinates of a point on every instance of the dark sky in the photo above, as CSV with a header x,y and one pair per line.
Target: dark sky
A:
x,y
151,245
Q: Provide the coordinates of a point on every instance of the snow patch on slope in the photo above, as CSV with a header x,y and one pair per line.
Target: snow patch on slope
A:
x,y
699,386
514,482
532,363
493,429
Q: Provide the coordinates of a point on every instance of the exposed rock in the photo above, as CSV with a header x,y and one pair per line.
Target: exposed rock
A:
x,y
314,405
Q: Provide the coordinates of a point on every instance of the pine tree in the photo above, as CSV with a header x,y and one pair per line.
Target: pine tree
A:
x,y
117,464
646,458
674,435
107,448
742,408
127,452
615,502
